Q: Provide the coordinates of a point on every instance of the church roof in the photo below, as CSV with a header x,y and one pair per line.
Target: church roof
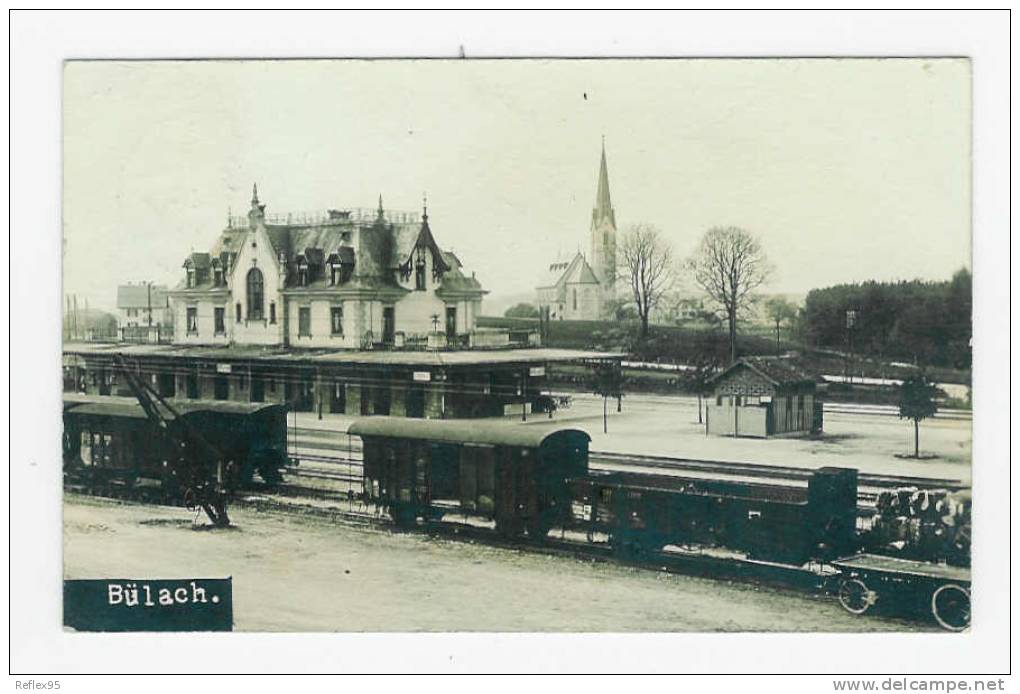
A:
x,y
576,271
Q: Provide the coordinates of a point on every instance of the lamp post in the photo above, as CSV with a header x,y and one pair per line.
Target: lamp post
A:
x,y
851,323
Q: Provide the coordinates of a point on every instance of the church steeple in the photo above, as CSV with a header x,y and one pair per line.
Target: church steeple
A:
x,y
603,202
603,233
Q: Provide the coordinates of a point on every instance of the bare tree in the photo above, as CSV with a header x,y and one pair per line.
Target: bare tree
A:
x,y
646,263
730,265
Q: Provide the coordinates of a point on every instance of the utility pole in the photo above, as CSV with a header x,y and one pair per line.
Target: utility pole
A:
x,y
851,322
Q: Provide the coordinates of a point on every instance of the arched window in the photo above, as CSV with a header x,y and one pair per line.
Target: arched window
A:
x,y
255,294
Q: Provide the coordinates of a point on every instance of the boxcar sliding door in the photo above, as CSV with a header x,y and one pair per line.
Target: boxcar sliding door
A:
x,y
477,479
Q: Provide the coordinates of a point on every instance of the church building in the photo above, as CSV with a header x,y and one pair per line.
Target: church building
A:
x,y
577,289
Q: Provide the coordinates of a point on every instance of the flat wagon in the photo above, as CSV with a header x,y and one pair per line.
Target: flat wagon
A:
x,y
905,585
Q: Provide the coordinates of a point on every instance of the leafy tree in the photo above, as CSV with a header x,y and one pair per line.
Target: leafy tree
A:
x,y
923,322
780,311
521,310
729,265
703,366
917,402
607,381
646,263
620,310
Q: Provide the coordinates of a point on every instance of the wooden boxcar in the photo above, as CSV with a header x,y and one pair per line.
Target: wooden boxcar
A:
x,y
790,524
113,442
512,474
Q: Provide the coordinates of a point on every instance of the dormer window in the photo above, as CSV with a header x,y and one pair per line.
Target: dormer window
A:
x,y
218,276
190,283
340,273
302,273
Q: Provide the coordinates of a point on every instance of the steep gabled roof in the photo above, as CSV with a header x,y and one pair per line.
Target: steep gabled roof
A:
x,y
199,261
779,371
425,240
582,274
452,260
141,296
576,271
551,277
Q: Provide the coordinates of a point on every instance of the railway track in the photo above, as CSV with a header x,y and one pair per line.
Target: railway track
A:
x,y
321,474
869,484
606,460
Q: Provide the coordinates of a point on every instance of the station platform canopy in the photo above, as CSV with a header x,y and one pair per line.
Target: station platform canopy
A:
x,y
325,357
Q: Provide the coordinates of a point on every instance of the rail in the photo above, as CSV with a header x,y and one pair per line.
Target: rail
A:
x,y
600,460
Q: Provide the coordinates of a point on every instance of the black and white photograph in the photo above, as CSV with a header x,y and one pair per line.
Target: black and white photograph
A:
x,y
579,345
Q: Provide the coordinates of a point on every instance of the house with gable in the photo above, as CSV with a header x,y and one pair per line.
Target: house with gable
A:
x,y
346,279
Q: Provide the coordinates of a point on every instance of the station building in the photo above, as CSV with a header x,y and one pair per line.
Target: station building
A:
x,y
344,279
349,312
764,397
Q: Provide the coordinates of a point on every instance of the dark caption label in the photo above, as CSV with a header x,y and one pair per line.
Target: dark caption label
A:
x,y
139,604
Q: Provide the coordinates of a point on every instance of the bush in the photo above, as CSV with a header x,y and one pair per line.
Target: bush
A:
x,y
521,310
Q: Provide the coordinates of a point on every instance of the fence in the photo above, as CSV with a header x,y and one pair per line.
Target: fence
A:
x,y
326,217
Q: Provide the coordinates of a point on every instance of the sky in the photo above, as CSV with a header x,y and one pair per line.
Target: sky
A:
x,y
845,169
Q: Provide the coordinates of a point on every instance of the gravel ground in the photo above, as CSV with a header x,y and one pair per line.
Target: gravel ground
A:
x,y
301,573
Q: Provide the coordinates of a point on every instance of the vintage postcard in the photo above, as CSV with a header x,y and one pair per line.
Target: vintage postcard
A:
x,y
672,345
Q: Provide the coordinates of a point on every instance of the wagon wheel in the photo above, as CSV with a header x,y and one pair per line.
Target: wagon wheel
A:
x,y
538,528
950,604
190,499
855,597
962,539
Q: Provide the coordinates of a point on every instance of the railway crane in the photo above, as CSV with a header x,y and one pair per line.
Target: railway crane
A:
x,y
198,467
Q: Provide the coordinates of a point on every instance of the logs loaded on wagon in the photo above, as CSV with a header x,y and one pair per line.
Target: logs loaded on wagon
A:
x,y
922,524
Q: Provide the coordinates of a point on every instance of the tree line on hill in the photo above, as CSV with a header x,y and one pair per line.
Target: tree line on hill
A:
x,y
926,323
